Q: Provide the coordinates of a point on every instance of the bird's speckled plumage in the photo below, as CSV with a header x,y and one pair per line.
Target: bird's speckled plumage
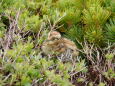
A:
x,y
57,44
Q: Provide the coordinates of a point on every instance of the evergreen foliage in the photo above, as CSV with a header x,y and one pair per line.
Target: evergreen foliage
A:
x,y
24,26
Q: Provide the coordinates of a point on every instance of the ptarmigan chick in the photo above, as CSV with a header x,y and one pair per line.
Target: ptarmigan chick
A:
x,y
62,47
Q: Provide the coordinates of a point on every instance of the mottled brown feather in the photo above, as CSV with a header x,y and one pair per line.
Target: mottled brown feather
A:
x,y
59,45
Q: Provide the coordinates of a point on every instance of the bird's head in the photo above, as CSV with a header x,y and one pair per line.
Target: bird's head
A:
x,y
54,35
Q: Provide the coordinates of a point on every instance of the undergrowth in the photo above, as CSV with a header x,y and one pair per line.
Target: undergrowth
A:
x,y
24,26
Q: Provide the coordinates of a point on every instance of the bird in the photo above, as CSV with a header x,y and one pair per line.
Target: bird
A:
x,y
55,44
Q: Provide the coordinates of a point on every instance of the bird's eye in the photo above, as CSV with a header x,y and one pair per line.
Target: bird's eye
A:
x,y
54,38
